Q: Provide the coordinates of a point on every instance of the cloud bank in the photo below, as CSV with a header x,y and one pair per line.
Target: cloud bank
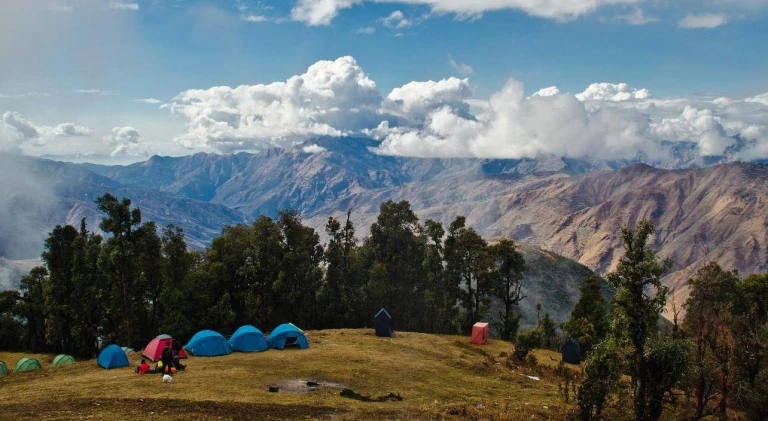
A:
x,y
441,119
16,132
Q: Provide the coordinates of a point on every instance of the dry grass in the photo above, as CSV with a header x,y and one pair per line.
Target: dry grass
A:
x,y
439,377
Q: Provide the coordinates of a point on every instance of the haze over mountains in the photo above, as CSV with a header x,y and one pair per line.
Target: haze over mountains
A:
x,y
571,207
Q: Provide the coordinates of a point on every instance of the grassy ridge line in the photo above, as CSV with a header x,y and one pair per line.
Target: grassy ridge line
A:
x,y
438,376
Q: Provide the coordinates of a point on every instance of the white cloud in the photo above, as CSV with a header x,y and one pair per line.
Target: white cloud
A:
x,y
440,119
124,140
704,21
414,100
70,129
549,91
322,12
330,98
255,18
94,92
25,95
462,68
122,5
16,131
148,100
612,92
367,30
313,149
759,99
396,20
319,12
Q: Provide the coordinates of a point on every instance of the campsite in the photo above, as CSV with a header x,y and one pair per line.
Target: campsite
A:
x,y
438,376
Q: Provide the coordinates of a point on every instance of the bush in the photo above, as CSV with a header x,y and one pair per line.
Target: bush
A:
x,y
527,342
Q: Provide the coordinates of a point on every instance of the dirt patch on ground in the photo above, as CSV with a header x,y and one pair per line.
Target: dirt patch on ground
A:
x,y
157,409
305,385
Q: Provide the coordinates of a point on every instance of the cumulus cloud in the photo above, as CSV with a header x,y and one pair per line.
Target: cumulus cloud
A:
x,y
16,131
367,30
704,21
441,119
331,98
313,149
414,100
322,12
462,68
319,12
124,140
396,20
612,92
549,91
70,129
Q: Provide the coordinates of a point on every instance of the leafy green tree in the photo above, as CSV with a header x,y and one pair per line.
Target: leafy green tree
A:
x,y
441,295
58,257
11,327
33,308
588,323
507,284
640,298
393,254
86,296
300,276
709,316
469,265
549,328
668,365
602,373
528,341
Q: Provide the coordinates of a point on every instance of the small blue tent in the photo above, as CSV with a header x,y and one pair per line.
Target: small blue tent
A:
x,y
382,322
208,343
248,339
571,352
112,356
287,334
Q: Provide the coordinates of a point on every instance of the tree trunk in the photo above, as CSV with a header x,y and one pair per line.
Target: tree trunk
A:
x,y
640,382
700,383
723,407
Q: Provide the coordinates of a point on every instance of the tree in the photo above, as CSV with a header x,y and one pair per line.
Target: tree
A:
x,y
469,265
441,295
507,284
588,323
33,308
640,298
11,327
58,257
394,253
602,372
550,330
709,315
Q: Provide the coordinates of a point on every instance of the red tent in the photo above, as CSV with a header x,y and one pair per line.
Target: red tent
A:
x,y
480,333
154,349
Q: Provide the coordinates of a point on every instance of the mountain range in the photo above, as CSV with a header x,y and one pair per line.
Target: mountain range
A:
x,y
705,209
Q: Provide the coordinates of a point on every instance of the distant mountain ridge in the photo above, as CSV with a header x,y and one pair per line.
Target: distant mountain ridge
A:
x,y
705,208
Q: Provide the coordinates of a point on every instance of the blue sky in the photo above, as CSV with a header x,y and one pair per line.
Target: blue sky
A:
x,y
86,61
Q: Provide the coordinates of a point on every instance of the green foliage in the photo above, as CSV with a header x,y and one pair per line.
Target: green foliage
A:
x,y
506,283
550,331
528,341
588,323
602,371
640,298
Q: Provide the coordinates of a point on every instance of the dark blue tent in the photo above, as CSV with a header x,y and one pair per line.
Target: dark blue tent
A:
x,y
248,339
287,335
208,343
112,356
382,322
571,352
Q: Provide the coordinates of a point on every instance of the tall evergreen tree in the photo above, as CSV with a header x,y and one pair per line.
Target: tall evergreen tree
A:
x,y
640,298
507,284
469,264
588,323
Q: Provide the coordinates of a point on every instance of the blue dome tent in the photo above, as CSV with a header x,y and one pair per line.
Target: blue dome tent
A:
x,y
287,334
112,356
382,322
248,339
571,352
208,343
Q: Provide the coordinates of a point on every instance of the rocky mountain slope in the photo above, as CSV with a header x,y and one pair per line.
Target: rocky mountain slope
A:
x,y
572,207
